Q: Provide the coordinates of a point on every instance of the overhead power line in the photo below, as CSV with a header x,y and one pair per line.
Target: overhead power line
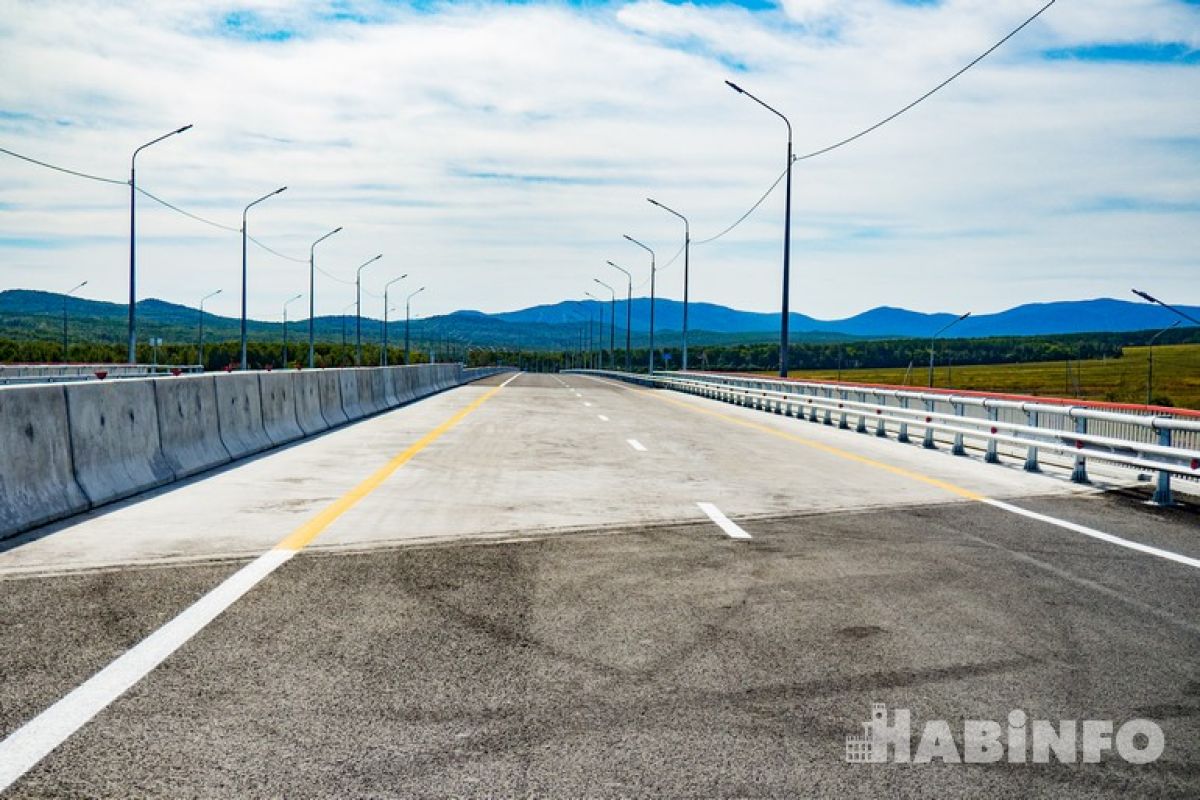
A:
x,y
872,128
77,173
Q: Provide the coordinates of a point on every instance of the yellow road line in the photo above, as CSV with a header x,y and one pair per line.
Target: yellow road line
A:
x,y
954,489
310,530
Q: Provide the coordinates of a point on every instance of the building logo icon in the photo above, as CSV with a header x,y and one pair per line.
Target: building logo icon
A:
x,y
860,748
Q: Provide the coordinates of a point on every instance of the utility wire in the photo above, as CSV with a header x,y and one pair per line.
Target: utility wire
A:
x,y
63,169
931,92
829,148
196,217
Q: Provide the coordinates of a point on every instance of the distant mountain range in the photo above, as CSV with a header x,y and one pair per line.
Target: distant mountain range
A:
x,y
28,314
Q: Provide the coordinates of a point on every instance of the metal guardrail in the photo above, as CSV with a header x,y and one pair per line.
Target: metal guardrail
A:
x,y
16,374
1163,443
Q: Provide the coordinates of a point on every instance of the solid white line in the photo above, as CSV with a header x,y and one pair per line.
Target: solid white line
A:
x,y
34,740
1095,534
510,380
636,445
602,418
723,522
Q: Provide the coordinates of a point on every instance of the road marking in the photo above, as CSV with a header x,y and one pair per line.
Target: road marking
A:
x,y
1095,534
636,445
38,737
966,494
602,418
587,404
723,522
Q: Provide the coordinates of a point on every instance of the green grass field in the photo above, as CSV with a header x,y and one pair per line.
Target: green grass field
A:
x,y
1118,380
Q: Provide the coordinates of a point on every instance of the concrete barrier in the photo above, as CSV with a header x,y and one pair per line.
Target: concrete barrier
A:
x,y
239,412
115,444
389,386
65,448
187,423
351,402
400,384
308,402
330,390
37,478
369,395
279,406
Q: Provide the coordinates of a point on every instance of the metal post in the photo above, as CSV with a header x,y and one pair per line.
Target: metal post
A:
x,y
387,286
133,241
958,449
1150,361
992,456
652,271
787,235
312,286
358,310
687,246
407,318
1162,492
934,338
285,329
244,236
1031,456
1079,473
65,298
200,335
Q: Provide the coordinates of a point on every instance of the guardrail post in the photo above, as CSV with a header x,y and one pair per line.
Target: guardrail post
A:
x,y
1162,492
927,442
903,436
843,424
1031,457
958,449
993,454
880,427
861,427
1079,473
829,407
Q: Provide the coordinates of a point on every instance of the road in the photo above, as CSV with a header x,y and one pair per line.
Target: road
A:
x,y
562,586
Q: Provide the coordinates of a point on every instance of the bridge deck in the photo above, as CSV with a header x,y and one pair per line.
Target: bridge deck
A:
x,y
531,599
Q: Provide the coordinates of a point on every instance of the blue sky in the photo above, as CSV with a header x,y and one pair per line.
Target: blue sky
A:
x,y
497,151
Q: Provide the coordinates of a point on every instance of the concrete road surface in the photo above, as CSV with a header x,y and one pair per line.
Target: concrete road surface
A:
x,y
566,587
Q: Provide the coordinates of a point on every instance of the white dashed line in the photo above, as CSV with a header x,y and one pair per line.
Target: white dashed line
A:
x,y
636,445
586,403
723,522
602,418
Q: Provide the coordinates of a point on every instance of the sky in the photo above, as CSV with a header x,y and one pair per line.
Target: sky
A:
x,y
496,152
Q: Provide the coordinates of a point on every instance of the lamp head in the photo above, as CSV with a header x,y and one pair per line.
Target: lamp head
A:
x,y
184,128
735,87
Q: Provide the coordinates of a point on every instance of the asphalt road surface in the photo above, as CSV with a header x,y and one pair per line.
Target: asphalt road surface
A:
x,y
566,587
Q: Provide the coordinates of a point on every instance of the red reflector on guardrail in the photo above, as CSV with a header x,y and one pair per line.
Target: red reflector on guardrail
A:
x,y
101,374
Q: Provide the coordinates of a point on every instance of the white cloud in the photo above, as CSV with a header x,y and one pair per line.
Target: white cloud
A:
x,y
497,153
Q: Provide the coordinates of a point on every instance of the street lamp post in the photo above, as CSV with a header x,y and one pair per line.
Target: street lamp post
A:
x,y
407,320
934,338
1150,361
600,337
285,327
687,246
787,234
387,286
349,306
628,316
65,297
1172,309
612,325
200,332
652,271
133,241
312,273
244,212
358,309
